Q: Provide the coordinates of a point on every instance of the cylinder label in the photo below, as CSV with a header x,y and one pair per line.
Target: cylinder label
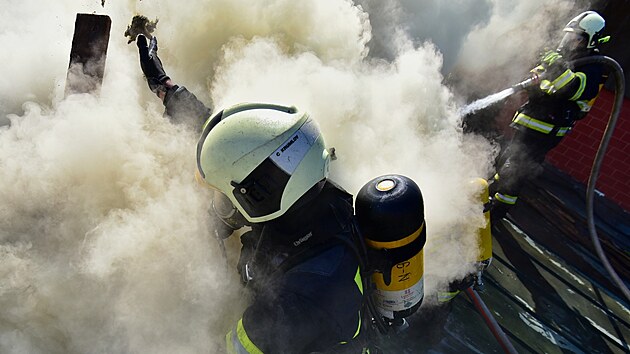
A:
x,y
403,275
390,301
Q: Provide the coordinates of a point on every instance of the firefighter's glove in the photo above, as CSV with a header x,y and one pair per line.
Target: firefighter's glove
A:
x,y
553,64
550,57
151,64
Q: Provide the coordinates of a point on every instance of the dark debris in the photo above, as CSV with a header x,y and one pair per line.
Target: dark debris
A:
x,y
140,25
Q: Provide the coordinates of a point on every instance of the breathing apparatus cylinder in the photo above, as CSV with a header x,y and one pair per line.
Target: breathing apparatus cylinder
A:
x,y
484,237
483,243
390,215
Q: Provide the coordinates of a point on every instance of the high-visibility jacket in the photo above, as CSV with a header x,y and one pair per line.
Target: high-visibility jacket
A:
x,y
307,284
562,98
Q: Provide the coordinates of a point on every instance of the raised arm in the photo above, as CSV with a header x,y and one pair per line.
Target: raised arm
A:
x,y
182,106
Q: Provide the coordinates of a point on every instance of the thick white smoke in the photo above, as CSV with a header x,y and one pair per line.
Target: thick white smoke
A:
x,y
104,241
444,23
502,51
487,44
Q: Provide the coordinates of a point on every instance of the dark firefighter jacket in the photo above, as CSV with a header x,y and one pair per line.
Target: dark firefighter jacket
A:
x,y
306,280
562,98
305,277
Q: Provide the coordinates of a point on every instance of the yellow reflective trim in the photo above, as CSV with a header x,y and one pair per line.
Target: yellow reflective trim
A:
x,y
358,327
586,106
505,198
580,91
563,131
546,86
229,345
358,280
357,332
445,296
539,125
241,344
563,79
395,244
533,123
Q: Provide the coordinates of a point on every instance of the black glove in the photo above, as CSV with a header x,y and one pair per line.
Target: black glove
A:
x,y
151,64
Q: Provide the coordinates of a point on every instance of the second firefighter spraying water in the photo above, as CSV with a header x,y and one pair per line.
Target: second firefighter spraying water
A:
x,y
559,96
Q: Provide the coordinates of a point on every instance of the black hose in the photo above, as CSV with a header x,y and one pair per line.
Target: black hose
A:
x,y
366,271
617,72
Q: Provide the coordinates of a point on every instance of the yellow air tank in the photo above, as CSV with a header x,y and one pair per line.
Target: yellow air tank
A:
x,y
484,240
484,251
390,215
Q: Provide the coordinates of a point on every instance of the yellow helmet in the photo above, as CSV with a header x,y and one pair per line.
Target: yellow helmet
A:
x,y
263,157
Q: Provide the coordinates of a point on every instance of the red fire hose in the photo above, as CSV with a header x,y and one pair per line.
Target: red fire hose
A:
x,y
493,325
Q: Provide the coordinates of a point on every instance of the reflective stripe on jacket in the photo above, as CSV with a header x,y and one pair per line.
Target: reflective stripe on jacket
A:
x,y
538,125
238,342
506,198
560,100
550,87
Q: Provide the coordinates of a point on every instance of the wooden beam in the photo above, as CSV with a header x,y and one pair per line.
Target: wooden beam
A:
x,y
88,53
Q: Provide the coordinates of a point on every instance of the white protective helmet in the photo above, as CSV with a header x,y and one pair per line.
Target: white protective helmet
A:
x,y
263,157
588,24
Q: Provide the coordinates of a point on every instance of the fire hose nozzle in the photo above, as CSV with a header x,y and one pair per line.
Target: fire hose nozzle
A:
x,y
533,80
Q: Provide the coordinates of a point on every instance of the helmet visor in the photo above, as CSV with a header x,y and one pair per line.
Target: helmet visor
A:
x,y
572,41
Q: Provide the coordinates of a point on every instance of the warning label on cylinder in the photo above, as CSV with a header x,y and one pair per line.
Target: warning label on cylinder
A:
x,y
389,301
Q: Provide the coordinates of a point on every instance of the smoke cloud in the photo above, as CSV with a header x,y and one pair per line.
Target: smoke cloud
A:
x,y
487,44
417,21
104,240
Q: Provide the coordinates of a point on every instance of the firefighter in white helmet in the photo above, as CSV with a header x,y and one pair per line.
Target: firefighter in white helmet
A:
x,y
564,95
268,165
